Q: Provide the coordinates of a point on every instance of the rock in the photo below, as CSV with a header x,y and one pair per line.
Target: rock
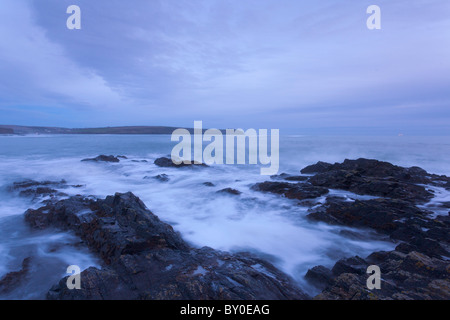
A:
x,y
377,178
410,276
208,184
122,157
168,163
320,276
11,280
355,182
288,177
382,215
350,265
162,177
103,158
146,259
36,189
230,191
296,178
319,167
299,191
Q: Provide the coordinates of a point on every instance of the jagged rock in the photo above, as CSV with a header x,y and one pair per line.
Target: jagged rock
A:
x,y
403,277
298,191
146,259
320,276
378,178
103,158
319,167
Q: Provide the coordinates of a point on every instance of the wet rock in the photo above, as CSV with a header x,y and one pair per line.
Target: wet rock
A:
x,y
168,163
378,178
146,259
230,191
383,215
103,158
384,187
299,191
13,279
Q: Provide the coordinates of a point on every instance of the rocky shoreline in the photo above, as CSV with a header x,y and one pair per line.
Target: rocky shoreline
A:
x,y
144,258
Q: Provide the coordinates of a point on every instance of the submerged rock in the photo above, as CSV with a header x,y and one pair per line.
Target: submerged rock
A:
x,y
168,163
103,158
13,279
40,189
230,191
146,259
298,191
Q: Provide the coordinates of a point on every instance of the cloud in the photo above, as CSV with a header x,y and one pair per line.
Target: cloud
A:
x,y
229,63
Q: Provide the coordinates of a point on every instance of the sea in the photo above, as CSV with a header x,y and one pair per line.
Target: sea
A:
x,y
267,225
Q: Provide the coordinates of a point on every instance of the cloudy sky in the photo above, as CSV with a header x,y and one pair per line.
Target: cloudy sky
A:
x,y
301,66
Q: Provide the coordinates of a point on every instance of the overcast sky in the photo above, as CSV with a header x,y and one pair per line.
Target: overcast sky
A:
x,y
301,66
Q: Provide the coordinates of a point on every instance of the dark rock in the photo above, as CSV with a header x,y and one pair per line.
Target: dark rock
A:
x,y
354,182
316,168
320,276
297,178
13,279
230,191
122,157
287,177
103,158
36,189
412,276
139,161
377,178
280,176
162,177
350,265
298,191
208,184
168,163
383,215
146,259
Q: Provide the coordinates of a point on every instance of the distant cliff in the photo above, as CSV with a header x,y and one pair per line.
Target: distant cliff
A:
x,y
12,129
6,130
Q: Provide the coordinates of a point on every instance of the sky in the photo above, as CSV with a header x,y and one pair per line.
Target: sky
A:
x,y
298,66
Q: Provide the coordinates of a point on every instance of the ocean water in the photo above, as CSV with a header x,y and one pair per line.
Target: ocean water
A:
x,y
267,225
